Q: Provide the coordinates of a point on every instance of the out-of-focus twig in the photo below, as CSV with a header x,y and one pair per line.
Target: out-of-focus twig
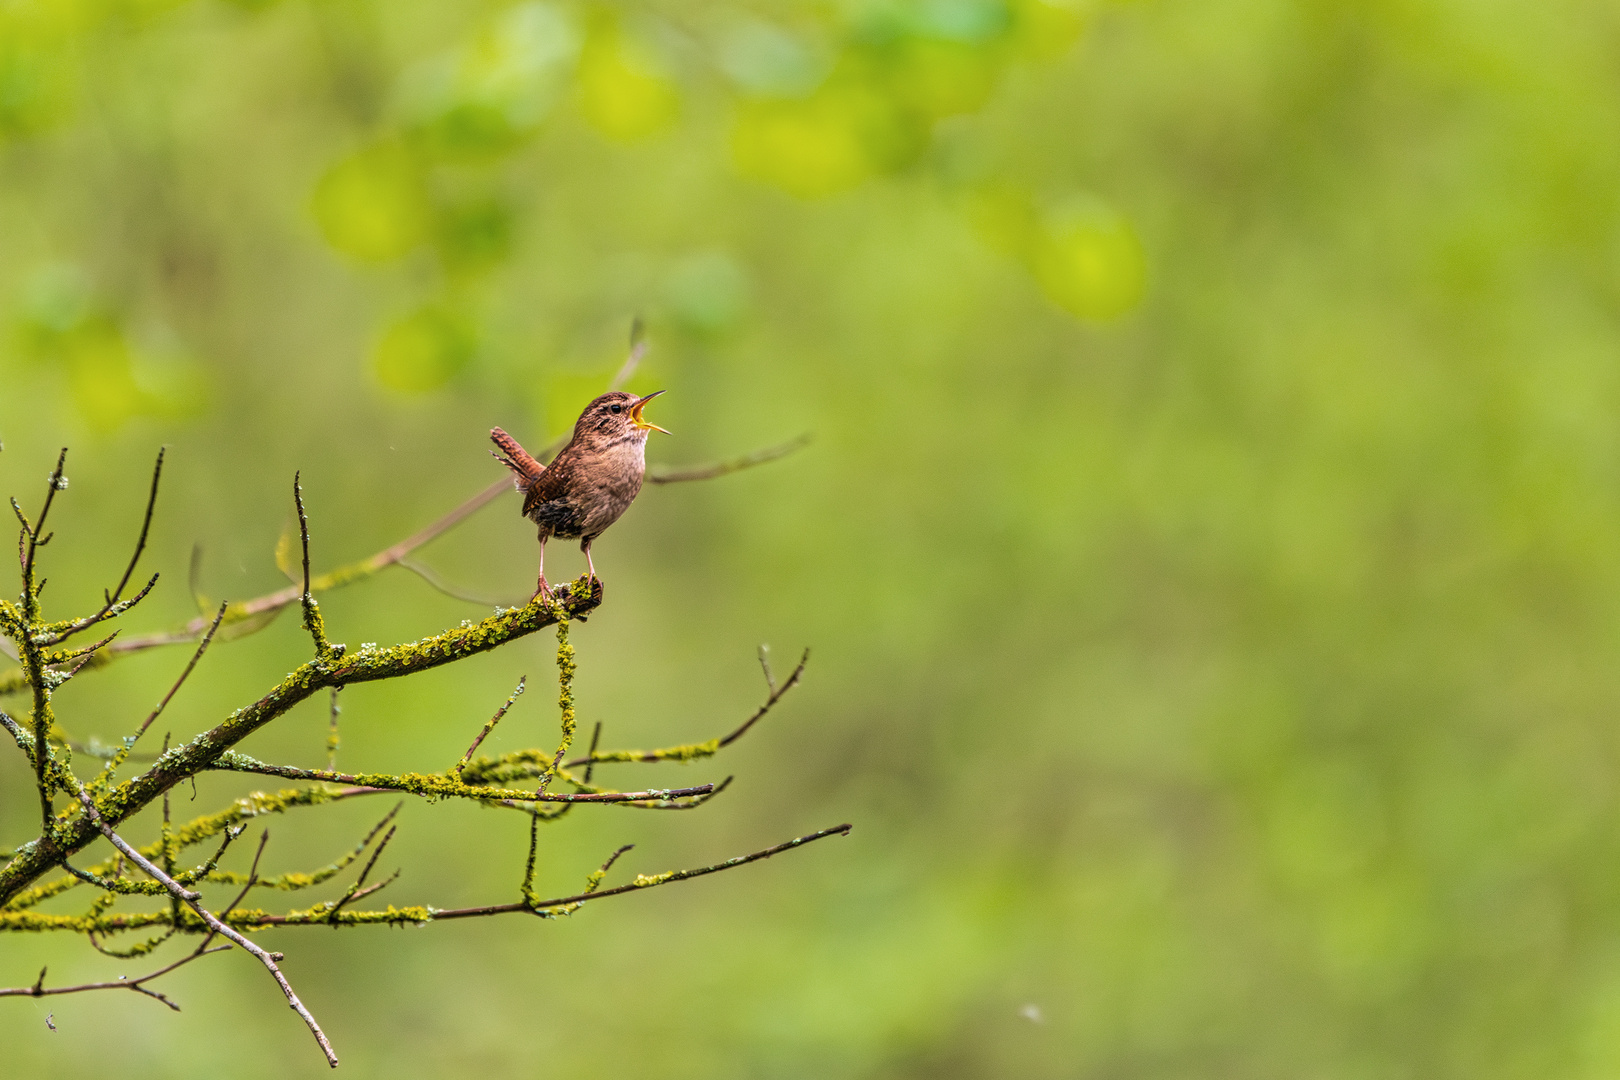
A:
x,y
731,465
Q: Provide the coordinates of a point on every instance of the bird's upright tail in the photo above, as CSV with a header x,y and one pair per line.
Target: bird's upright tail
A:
x,y
525,469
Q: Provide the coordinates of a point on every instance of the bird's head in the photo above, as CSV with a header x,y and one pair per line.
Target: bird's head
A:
x,y
616,415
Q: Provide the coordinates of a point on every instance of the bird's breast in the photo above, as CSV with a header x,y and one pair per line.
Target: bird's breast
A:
x,y
611,485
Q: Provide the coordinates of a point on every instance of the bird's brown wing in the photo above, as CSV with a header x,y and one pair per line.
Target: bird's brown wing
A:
x,y
550,486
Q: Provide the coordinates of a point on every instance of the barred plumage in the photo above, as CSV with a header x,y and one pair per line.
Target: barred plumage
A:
x,y
591,483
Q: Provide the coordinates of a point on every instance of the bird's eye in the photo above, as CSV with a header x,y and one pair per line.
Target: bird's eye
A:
x,y
616,408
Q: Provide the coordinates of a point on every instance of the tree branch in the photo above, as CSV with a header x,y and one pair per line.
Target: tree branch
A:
x,y
40,990
193,901
364,665
642,881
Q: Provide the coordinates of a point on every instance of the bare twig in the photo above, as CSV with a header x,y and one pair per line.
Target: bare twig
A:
x,y
638,349
53,484
776,695
722,468
490,725
123,753
590,755
695,750
252,880
357,890
765,666
193,901
248,920
438,584
40,990
643,881
146,527
333,743
112,598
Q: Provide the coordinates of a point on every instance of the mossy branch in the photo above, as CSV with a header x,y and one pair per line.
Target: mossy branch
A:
x,y
99,808
205,751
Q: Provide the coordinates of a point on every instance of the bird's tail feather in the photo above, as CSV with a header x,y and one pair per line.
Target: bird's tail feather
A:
x,y
523,465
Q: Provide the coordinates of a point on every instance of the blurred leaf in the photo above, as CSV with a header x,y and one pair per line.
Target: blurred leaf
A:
x,y
708,292
827,143
1088,260
373,205
1005,218
62,325
475,235
424,350
488,96
765,60
287,562
940,78
36,80
623,92
1046,29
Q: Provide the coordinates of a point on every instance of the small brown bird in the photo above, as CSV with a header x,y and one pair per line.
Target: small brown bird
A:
x,y
592,482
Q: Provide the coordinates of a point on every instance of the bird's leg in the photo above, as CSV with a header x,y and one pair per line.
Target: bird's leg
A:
x,y
590,567
540,586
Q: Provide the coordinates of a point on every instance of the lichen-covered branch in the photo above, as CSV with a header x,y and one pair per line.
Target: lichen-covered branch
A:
x,y
419,915
37,876
204,751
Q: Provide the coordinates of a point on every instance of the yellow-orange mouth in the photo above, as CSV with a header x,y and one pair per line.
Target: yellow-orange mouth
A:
x,y
635,414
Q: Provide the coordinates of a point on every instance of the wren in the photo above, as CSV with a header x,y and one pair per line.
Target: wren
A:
x,y
591,483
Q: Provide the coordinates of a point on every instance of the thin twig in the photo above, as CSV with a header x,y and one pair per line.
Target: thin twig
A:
x,y
765,665
565,701
490,725
722,468
146,527
54,484
438,584
644,881
333,742
638,349
776,695
112,598
313,623
590,755
193,901
355,891
423,915
40,990
123,753
252,880
701,749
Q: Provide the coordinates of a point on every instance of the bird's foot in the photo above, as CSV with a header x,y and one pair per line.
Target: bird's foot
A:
x,y
543,592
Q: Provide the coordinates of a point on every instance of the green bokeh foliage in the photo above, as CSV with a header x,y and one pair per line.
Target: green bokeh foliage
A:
x,y
1209,543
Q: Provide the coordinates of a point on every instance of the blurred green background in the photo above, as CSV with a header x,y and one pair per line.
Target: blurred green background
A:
x,y
1210,545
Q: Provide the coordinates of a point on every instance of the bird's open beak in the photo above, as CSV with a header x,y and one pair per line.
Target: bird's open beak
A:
x,y
635,414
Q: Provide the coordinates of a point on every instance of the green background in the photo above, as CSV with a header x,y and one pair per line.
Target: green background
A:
x,y
1209,545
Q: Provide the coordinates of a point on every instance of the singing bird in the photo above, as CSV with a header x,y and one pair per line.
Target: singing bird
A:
x,y
592,482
